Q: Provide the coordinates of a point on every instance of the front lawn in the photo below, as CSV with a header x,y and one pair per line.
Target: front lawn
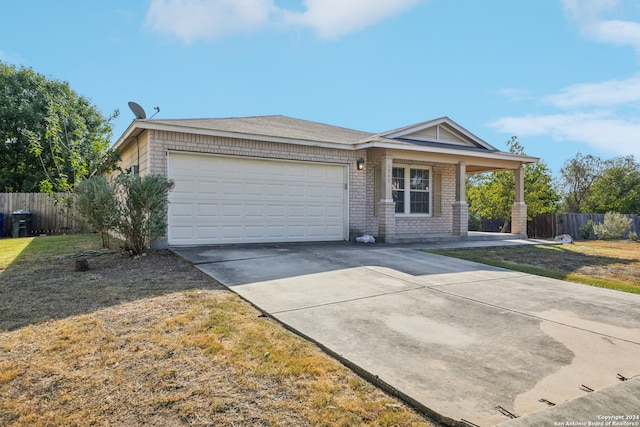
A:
x,y
607,264
153,341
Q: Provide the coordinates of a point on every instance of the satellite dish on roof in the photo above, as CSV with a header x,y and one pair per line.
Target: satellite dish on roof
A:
x,y
137,110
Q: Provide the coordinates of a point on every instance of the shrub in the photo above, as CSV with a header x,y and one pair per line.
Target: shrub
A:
x,y
587,230
141,209
633,236
133,206
96,203
615,226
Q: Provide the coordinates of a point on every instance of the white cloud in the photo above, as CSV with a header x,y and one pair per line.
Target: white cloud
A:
x,y
618,32
191,20
589,15
599,130
586,12
608,93
334,18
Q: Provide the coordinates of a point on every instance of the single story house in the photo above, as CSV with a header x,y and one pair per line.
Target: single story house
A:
x,y
280,179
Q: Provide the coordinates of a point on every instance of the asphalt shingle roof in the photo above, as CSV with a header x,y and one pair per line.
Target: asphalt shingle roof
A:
x,y
275,126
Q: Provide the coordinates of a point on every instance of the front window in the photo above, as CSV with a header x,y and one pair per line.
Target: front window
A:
x,y
410,188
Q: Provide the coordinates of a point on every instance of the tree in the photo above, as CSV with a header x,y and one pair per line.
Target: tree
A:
x,y
50,137
617,188
578,176
491,195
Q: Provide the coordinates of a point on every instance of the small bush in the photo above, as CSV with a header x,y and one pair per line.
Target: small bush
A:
x,y
633,236
615,226
141,209
587,230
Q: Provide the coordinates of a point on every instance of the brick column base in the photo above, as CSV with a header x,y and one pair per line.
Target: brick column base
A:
x,y
460,225
386,219
519,218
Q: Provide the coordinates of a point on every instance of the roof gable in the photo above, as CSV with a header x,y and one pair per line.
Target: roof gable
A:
x,y
439,131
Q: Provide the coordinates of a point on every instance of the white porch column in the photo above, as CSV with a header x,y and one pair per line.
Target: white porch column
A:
x,y
386,205
519,208
460,225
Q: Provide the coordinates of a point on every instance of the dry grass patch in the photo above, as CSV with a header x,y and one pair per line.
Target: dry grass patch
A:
x,y
608,264
168,356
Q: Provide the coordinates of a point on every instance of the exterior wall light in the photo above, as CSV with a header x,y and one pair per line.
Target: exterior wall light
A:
x,y
360,164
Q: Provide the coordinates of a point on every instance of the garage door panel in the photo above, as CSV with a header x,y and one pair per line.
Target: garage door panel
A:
x,y
205,232
254,231
183,232
241,200
254,211
181,209
333,211
276,190
315,212
276,212
296,212
254,189
296,191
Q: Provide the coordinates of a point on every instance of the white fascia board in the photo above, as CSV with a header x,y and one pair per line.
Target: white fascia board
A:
x,y
227,134
499,155
126,134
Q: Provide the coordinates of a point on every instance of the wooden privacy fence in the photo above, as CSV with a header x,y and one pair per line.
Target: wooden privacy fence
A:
x,y
551,225
47,216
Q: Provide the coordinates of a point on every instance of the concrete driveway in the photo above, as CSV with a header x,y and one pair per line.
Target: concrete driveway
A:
x,y
467,343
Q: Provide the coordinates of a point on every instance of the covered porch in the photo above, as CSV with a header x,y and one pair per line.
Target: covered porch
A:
x,y
447,212
419,182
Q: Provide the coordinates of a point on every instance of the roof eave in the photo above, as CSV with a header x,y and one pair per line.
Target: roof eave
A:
x,y
128,133
498,155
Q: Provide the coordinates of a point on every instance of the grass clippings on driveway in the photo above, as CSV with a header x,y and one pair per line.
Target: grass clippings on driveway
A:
x,y
153,341
607,264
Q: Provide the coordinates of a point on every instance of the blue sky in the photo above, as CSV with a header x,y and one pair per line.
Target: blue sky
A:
x,y
562,75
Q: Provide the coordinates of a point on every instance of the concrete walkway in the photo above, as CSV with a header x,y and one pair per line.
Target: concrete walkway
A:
x,y
467,343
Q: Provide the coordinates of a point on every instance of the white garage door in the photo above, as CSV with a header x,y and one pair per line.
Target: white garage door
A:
x,y
223,199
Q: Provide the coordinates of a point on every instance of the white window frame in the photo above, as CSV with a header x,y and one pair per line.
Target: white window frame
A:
x,y
407,190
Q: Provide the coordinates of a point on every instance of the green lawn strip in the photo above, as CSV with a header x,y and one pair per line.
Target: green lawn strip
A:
x,y
38,249
479,255
10,249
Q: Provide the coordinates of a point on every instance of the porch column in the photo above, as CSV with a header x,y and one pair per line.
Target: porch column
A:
x,y
386,205
460,225
519,208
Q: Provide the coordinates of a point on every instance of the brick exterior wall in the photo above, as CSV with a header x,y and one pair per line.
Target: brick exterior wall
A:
x,y
363,217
